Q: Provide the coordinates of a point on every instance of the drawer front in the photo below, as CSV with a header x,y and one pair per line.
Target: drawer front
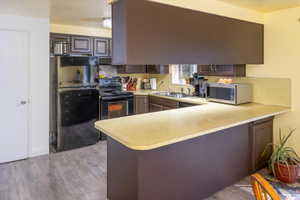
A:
x,y
164,102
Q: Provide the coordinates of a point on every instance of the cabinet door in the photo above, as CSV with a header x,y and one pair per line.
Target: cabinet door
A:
x,y
222,70
204,70
56,37
141,104
234,41
110,47
158,69
164,102
155,107
101,47
261,134
131,69
230,70
167,108
81,45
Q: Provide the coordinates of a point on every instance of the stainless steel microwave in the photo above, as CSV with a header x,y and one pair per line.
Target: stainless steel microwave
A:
x,y
229,93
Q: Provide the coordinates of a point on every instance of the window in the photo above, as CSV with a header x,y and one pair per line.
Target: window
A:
x,y
182,73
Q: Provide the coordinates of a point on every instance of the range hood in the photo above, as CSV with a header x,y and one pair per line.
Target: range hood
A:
x,y
146,32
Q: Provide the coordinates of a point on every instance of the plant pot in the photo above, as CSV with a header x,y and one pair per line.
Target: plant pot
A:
x,y
286,174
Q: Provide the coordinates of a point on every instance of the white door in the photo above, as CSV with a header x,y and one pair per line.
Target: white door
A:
x,y
14,80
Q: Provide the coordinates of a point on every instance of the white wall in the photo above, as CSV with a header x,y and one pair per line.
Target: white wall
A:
x,y
38,29
80,30
219,8
282,53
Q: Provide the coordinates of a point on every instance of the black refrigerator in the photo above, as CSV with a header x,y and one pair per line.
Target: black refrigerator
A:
x,y
74,102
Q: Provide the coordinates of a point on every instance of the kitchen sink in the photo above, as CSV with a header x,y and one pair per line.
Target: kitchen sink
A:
x,y
172,94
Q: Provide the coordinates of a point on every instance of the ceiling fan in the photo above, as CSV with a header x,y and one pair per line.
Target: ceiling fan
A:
x,y
105,22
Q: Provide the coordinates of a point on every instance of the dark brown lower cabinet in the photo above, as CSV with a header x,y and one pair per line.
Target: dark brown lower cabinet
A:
x,y
167,108
141,104
159,104
155,107
261,134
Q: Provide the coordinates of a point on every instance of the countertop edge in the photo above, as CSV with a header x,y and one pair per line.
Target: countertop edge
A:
x,y
202,133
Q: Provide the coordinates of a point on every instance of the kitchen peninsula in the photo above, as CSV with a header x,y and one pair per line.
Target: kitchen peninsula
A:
x,y
186,153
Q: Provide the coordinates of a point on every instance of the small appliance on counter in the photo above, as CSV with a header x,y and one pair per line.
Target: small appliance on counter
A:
x,y
153,84
200,84
74,102
234,93
146,84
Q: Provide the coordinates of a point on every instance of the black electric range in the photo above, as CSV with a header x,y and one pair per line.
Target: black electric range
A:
x,y
113,102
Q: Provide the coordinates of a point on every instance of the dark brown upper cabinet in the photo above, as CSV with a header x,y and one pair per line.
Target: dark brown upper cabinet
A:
x,y
131,69
81,45
181,36
158,69
222,70
102,47
57,37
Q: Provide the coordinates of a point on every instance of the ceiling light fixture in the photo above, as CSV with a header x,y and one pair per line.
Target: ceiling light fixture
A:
x,y
107,23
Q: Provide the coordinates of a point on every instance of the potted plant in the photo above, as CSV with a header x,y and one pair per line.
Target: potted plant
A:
x,y
284,161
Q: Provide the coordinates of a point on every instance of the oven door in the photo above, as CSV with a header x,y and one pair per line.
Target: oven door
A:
x,y
221,93
115,107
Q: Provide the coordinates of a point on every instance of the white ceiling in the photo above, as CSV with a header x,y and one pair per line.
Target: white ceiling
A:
x,y
90,12
79,12
265,5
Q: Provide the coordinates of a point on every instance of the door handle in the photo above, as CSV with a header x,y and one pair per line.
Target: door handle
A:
x,y
22,103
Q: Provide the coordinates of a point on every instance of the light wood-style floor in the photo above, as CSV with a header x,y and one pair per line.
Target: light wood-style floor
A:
x,y
73,175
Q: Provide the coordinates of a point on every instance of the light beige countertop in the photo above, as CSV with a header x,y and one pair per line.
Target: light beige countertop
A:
x,y
153,130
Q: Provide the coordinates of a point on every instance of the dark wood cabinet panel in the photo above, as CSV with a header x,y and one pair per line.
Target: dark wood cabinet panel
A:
x,y
222,70
158,69
184,104
132,69
81,44
205,70
166,104
261,134
101,47
155,107
159,40
85,45
57,37
141,104
110,47
167,108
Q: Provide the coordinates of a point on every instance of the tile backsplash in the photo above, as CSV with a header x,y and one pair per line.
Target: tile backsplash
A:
x,y
275,91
